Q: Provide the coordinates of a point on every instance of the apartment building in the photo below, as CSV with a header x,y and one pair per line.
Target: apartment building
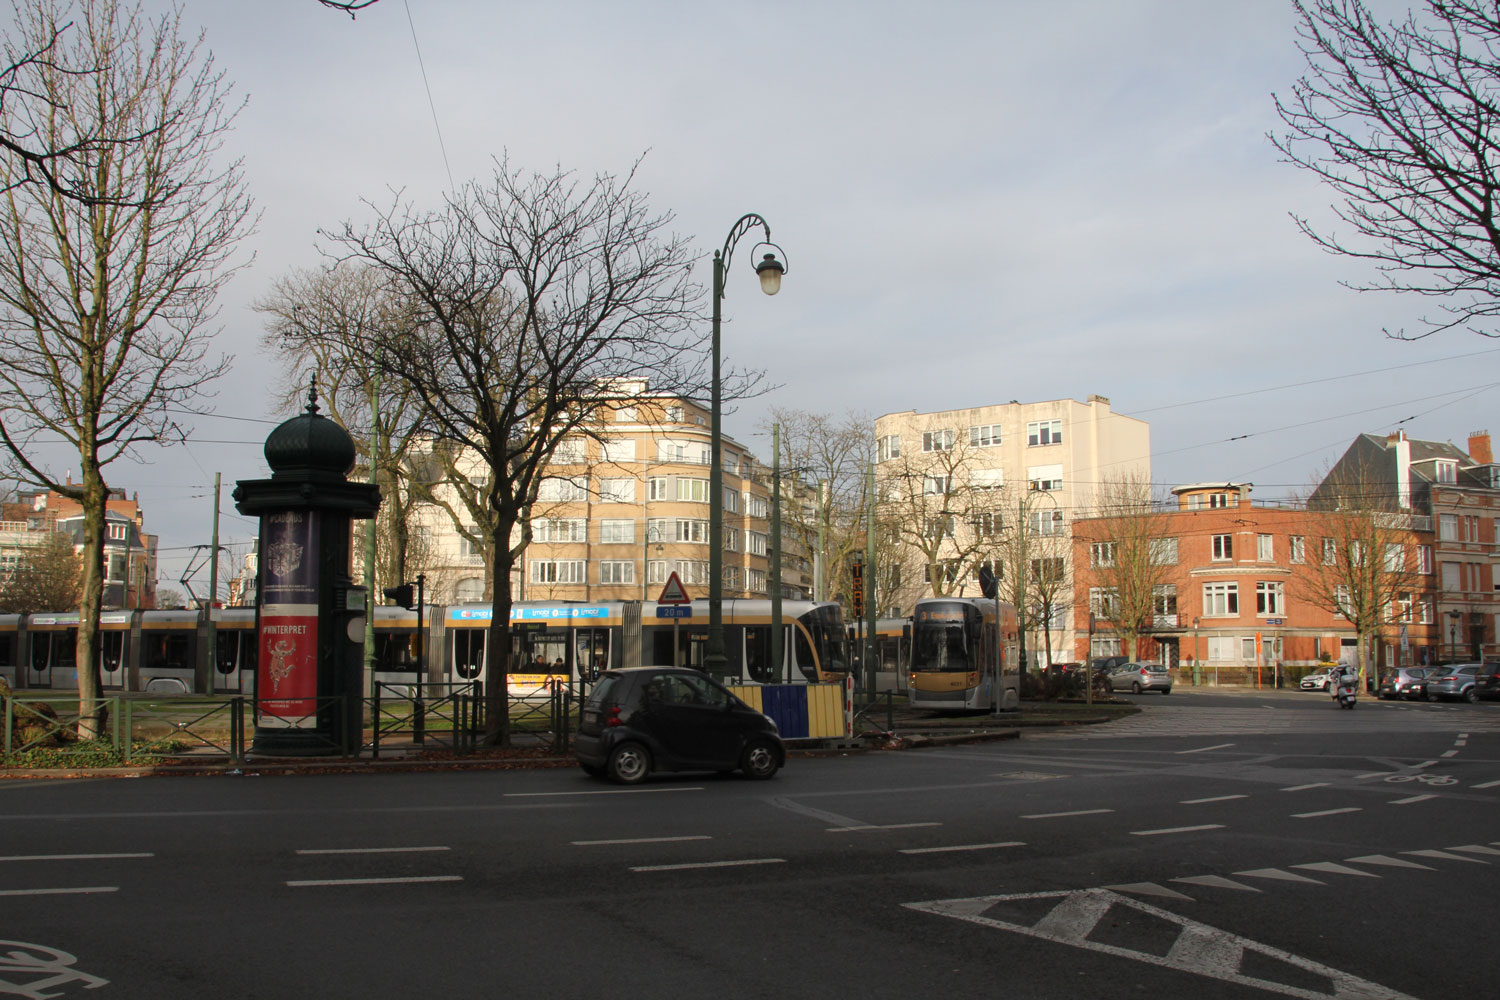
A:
x,y
620,510
129,551
960,480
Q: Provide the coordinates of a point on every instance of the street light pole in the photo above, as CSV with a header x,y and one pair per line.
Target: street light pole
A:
x,y
770,271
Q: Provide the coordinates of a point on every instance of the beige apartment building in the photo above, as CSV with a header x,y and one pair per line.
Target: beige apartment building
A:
x,y
623,508
955,484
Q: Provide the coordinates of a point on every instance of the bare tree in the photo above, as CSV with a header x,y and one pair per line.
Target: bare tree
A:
x,y
106,301
539,301
1362,563
1027,546
1400,120
937,512
827,456
46,579
349,6
1120,554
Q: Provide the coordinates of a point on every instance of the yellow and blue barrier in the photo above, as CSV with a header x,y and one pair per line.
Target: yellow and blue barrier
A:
x,y
800,711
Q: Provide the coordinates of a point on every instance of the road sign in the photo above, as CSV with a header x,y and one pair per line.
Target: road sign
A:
x,y
857,590
673,593
1275,621
675,611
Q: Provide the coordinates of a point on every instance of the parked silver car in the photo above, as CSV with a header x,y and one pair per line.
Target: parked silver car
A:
x,y
1458,680
1138,677
1403,682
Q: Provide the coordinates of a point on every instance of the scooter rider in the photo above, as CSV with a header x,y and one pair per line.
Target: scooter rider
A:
x,y
1345,682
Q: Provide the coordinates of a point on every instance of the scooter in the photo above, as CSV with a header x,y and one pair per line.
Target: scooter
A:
x,y
1345,692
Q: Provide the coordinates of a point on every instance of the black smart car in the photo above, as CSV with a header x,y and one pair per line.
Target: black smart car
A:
x,y
642,719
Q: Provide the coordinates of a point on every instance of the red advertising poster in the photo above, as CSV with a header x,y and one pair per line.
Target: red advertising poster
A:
x,y
288,682
287,678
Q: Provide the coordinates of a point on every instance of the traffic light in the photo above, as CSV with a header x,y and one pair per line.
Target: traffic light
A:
x,y
404,595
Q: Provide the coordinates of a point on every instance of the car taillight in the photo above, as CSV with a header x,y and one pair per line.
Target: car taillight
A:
x,y
613,716
1144,672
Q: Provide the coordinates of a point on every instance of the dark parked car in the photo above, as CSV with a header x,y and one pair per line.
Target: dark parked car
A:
x,y
1103,666
1487,682
1403,682
642,719
1454,681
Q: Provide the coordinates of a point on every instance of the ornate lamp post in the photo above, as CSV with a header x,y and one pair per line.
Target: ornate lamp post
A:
x,y
770,271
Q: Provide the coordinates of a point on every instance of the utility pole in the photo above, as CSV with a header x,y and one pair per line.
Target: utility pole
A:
x,y
376,449
872,644
820,587
775,583
211,628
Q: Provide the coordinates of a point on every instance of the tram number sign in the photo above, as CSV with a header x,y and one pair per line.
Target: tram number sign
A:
x,y
857,590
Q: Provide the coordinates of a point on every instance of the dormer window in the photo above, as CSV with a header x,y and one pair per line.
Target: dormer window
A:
x,y
1446,472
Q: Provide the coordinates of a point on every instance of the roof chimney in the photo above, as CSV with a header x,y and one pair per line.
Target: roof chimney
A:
x,y
1479,447
1395,436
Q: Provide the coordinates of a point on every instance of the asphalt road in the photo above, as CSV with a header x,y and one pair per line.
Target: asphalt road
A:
x,y
1212,846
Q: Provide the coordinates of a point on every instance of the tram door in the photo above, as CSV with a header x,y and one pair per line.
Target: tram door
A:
x,y
112,659
468,653
591,652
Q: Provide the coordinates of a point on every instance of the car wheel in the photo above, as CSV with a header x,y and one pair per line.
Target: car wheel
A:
x,y
1166,690
759,761
592,770
1471,696
629,763
1135,687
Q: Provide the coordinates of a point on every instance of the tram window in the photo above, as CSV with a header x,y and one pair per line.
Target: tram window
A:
x,y
591,652
226,651
661,646
396,651
41,651
734,652
468,652
7,650
758,654
65,648
112,649
805,659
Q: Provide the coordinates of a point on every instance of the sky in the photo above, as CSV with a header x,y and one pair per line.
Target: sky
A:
x,y
977,202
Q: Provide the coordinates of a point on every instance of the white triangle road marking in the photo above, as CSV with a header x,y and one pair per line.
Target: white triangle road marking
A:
x,y
1475,849
1335,869
1444,856
1390,862
1216,882
1277,873
1149,889
1198,948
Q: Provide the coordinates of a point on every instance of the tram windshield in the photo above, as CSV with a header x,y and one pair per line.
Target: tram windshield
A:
x,y
944,639
826,625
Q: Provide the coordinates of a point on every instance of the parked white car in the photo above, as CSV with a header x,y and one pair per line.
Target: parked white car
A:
x,y
1318,680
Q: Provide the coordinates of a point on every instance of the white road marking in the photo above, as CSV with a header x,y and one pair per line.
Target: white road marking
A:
x,y
1475,849
600,791
1216,798
1303,788
1326,812
1383,859
710,864
1488,784
368,850
74,857
301,883
638,840
1448,753
1444,856
60,892
1075,812
1149,889
1219,746
868,827
1463,736
1278,874
1176,829
1409,801
963,847
1334,869
1425,763
1194,948
1216,882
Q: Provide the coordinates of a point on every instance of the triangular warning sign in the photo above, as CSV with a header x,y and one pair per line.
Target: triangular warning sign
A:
x,y
673,593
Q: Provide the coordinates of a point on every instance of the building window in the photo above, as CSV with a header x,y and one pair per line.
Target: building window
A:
x,y
625,415
987,525
757,507
618,450
756,581
616,571
1222,648
1448,527
656,571
1223,548
1045,477
1247,648
558,571
984,435
617,491
987,479
1343,601
1164,599
562,488
1101,554
1330,552
569,451
1395,557
695,490
559,529
687,452
614,532
117,532
1051,569
1104,601
1047,522
935,485
731,500
1216,500
1040,432
731,539
1269,599
937,441
1447,472
658,488
1221,599
687,529
1265,548
1450,578
995,566
888,447
693,571
731,578
673,415
757,543
1297,547
1424,559
941,526
1164,552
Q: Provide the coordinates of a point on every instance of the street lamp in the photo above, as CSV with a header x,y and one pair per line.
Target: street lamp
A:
x,y
770,270
1453,617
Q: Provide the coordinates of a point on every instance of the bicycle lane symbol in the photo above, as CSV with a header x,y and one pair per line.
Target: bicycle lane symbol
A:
x,y
1426,779
26,970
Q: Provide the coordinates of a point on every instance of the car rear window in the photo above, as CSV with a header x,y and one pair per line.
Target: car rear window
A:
x,y
601,691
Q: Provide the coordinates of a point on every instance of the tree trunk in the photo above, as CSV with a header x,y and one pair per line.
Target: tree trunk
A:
x,y
91,723
497,651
